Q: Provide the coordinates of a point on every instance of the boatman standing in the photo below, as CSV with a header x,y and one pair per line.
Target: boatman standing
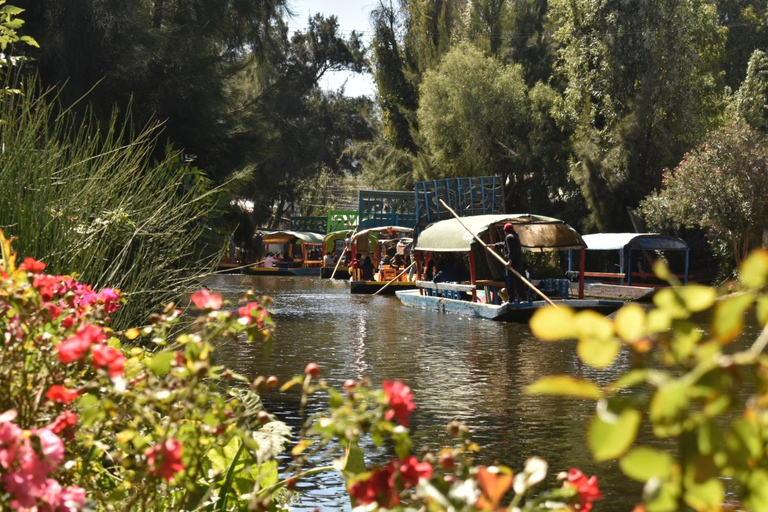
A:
x,y
513,251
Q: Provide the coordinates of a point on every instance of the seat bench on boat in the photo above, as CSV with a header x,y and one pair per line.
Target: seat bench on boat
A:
x,y
447,290
555,287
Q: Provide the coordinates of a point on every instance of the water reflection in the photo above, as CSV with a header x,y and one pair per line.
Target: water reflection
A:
x,y
459,368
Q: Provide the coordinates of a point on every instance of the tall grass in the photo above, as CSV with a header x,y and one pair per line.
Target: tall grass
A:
x,y
91,201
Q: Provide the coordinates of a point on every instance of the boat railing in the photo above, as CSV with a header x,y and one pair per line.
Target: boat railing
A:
x,y
446,290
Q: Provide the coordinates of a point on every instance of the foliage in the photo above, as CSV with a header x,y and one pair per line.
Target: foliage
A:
x,y
751,98
144,430
635,103
690,386
718,187
87,202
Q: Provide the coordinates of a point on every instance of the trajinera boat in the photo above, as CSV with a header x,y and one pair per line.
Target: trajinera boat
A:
x,y
381,257
335,246
619,265
450,244
289,253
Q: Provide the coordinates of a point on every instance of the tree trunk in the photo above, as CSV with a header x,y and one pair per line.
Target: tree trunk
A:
x,y
157,17
764,245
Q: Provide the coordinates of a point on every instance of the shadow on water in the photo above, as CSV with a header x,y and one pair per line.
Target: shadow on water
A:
x,y
458,368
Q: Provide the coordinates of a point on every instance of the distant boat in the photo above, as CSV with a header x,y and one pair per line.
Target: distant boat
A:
x,y
300,254
480,295
625,251
336,243
390,244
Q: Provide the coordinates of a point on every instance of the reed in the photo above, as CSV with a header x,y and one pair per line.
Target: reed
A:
x,y
90,200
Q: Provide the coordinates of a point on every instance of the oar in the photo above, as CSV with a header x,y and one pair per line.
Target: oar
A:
x,y
498,257
396,278
338,262
224,270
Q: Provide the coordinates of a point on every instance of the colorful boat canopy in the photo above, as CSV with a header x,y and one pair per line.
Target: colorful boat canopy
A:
x,y
284,237
392,231
536,232
641,241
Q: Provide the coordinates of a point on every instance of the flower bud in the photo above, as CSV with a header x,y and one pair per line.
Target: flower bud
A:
x,y
313,370
272,382
263,417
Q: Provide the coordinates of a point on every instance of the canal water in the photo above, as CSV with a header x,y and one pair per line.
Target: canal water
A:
x,y
459,368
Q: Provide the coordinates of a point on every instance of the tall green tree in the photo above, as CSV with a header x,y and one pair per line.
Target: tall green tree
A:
x,y
478,117
744,21
642,88
751,100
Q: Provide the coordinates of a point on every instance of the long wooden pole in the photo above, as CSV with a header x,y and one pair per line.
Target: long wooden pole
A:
x,y
396,278
498,257
341,256
225,270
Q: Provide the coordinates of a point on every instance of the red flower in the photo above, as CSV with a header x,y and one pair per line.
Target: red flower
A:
x,y
60,394
110,358
165,459
377,488
64,421
254,313
585,487
204,299
32,265
77,345
411,470
46,285
400,401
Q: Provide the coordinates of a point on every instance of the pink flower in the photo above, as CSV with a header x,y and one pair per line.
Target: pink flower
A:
x,y
411,470
377,488
110,358
11,437
75,347
400,401
165,459
60,394
111,299
586,487
72,499
32,265
63,422
254,313
204,299
51,445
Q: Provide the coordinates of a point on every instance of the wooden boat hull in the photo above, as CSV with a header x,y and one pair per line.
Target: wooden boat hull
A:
x,y
282,271
341,273
510,312
369,287
614,291
229,268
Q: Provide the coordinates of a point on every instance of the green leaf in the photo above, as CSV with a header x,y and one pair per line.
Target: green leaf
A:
x,y
668,407
659,320
629,379
161,363
754,271
89,409
564,385
610,435
30,41
12,10
698,297
630,322
762,310
728,321
354,462
598,353
594,325
643,463
553,324
707,496
668,300
757,499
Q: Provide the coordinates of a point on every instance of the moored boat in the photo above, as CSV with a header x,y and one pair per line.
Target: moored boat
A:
x,y
335,245
387,248
481,295
300,253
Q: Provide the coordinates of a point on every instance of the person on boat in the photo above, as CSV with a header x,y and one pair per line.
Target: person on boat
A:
x,y
269,261
514,253
448,273
367,269
329,259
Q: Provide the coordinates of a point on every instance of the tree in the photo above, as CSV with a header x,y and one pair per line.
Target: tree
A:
x,y
641,89
719,186
478,117
752,97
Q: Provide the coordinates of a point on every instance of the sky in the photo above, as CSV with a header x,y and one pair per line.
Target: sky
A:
x,y
352,15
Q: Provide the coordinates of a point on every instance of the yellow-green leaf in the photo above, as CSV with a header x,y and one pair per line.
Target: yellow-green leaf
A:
x,y
762,310
754,270
643,463
610,435
661,269
564,385
593,324
354,462
553,324
630,379
705,497
669,300
161,363
659,320
698,297
630,322
598,353
668,406
728,321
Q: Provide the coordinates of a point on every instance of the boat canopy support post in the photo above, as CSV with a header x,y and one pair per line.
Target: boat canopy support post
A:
x,y
621,264
685,277
582,260
472,276
629,269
